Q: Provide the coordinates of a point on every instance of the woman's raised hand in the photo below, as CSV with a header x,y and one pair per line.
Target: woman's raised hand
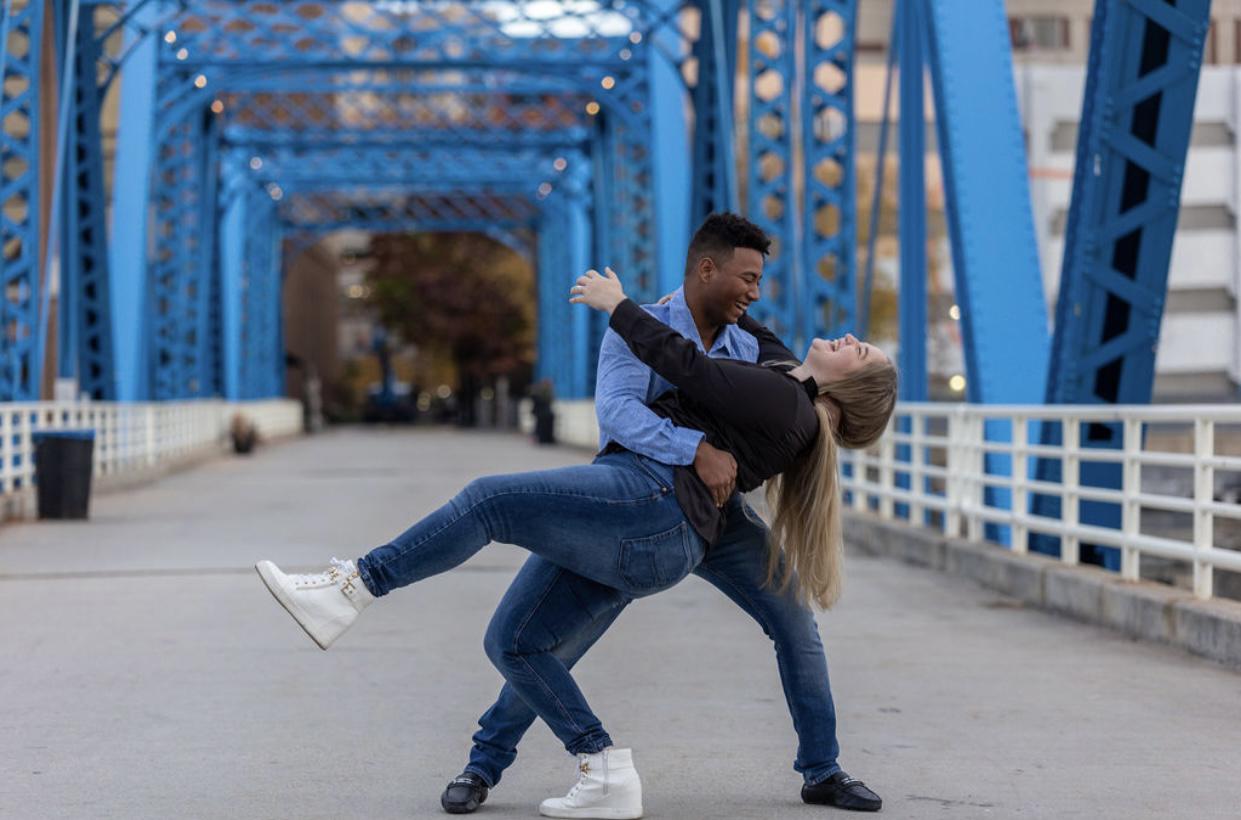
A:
x,y
599,292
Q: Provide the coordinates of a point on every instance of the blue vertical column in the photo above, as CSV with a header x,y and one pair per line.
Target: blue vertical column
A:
x,y
207,287
233,232
86,351
20,196
910,44
577,242
274,276
770,198
178,279
999,285
636,237
671,160
829,221
131,202
555,349
260,299
912,214
714,185
602,197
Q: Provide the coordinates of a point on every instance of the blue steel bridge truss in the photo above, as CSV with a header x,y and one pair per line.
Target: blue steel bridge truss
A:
x,y
584,133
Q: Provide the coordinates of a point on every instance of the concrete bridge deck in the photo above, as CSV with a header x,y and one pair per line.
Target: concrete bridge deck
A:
x,y
147,673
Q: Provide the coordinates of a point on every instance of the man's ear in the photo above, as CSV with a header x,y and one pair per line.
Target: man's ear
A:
x,y
706,269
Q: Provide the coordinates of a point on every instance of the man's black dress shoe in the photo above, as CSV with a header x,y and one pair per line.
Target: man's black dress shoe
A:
x,y
843,792
464,794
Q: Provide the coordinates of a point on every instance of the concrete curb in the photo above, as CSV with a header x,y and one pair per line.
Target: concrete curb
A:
x,y
1143,610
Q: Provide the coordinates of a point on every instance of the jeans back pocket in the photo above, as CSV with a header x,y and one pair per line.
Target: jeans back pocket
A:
x,y
654,562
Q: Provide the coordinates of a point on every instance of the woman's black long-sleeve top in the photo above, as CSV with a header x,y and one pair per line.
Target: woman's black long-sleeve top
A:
x,y
764,417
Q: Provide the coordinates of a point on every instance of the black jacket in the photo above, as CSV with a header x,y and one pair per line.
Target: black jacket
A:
x,y
761,415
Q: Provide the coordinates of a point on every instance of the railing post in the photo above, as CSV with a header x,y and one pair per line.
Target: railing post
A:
x,y
859,479
1131,511
952,484
887,474
1204,494
150,435
974,476
6,451
26,437
1070,545
1017,481
917,425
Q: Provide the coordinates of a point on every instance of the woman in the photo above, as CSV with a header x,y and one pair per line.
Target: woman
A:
x,y
634,524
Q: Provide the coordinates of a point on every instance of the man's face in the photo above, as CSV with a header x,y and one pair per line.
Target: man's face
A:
x,y
734,283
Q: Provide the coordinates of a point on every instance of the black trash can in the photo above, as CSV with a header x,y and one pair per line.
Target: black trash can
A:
x,y
63,463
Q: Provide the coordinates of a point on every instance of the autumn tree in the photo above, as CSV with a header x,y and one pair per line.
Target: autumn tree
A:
x,y
458,295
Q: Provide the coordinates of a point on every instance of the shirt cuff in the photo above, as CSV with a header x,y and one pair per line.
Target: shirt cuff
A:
x,y
685,445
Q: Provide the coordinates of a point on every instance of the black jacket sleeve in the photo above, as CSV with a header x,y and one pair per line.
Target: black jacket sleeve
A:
x,y
742,394
770,348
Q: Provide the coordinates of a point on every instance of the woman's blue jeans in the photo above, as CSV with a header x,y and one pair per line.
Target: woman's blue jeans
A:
x,y
550,611
615,523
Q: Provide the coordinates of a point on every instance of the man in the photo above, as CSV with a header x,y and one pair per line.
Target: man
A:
x,y
723,270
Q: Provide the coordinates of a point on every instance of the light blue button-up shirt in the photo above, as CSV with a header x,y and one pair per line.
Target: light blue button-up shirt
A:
x,y
624,386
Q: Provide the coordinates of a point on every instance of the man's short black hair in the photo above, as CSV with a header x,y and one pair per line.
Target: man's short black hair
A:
x,y
720,234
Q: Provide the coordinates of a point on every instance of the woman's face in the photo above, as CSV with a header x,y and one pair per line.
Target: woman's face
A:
x,y
833,359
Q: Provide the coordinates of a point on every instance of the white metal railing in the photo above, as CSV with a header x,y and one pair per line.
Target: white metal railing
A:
x,y
938,462
130,438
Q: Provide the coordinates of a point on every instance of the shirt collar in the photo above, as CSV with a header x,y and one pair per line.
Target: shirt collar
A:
x,y
682,321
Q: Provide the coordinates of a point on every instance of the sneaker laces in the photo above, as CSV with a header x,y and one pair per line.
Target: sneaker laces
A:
x,y
335,570
583,768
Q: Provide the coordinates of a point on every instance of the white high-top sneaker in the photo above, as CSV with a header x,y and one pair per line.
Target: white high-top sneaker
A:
x,y
607,787
325,603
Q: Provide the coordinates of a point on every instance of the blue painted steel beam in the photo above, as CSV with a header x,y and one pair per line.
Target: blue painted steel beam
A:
x,y
21,203
990,225
250,32
1137,116
714,165
670,172
66,16
634,252
207,326
771,201
999,286
180,286
422,169
911,36
342,207
85,350
876,201
829,216
563,352
131,194
234,224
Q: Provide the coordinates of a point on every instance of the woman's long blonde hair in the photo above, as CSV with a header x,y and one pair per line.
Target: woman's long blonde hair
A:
x,y
805,546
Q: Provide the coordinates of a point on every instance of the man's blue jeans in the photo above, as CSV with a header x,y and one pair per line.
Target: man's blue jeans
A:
x,y
615,523
549,610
